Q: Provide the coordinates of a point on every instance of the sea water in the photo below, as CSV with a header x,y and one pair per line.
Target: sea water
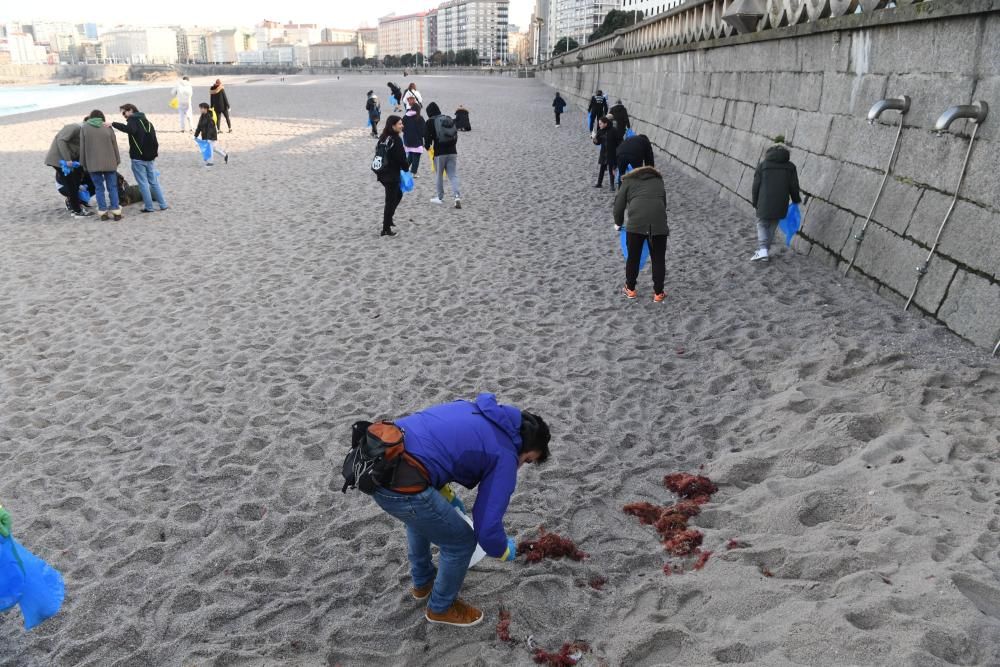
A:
x,y
25,99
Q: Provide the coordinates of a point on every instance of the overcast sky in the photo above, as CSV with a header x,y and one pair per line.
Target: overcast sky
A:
x,y
336,14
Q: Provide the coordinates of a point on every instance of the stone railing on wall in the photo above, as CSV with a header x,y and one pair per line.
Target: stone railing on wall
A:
x,y
713,106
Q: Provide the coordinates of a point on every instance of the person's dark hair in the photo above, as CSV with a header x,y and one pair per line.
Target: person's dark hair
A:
x,y
96,113
600,92
387,130
185,78
129,107
535,436
204,105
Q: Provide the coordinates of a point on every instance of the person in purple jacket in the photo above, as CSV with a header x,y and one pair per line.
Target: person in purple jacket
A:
x,y
473,443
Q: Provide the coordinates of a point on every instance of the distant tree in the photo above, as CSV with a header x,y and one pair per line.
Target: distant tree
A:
x,y
346,62
615,20
372,62
357,61
391,61
565,44
449,57
406,59
418,59
467,57
437,59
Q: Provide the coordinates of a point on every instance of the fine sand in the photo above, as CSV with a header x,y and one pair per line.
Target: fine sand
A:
x,y
176,393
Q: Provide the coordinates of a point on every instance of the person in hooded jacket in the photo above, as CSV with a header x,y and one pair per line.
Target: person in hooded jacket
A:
x,y
390,178
636,151
598,107
143,148
414,127
99,156
608,138
775,181
558,105
374,112
445,156
643,195
395,94
620,114
65,147
220,102
472,443
462,121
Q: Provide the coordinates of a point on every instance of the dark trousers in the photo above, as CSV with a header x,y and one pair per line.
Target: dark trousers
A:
x,y
558,113
593,119
220,114
657,255
375,126
610,168
393,195
69,186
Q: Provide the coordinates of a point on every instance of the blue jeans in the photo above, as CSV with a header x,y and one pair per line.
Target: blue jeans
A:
x,y
765,233
145,175
107,179
414,160
430,519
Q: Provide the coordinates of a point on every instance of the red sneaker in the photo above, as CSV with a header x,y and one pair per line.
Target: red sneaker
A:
x,y
630,293
658,298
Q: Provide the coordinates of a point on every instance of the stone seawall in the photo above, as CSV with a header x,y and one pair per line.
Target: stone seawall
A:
x,y
713,107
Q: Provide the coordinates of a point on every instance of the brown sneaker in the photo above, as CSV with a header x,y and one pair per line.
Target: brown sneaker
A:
x,y
421,592
460,614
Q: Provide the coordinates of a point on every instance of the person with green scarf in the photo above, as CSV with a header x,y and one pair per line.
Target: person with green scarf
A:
x,y
100,158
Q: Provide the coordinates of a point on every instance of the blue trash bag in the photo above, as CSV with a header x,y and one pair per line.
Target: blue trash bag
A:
x,y
405,181
629,133
624,244
27,580
369,123
85,195
393,101
586,121
790,223
205,147
67,167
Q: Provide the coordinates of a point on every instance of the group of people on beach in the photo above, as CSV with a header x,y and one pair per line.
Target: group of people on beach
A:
x,y
86,157
405,138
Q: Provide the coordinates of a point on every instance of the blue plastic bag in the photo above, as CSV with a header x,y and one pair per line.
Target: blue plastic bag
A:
x,y
624,244
205,147
28,581
369,122
790,223
67,167
629,133
405,181
393,101
587,121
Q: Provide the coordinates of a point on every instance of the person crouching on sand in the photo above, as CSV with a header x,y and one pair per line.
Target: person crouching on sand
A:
x,y
474,443
210,133
643,194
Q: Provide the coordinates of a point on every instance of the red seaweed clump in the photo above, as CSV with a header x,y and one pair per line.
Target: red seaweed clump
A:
x,y
702,559
549,545
684,543
564,658
503,626
736,544
694,487
597,582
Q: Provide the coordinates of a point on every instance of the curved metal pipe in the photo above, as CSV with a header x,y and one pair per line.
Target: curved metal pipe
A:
x,y
976,112
901,104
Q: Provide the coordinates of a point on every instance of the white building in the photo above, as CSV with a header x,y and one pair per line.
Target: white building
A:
x,y
22,49
649,7
282,54
402,34
474,24
578,19
140,45
224,46
272,32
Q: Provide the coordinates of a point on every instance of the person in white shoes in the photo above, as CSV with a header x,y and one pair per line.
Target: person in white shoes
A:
x,y
183,92
442,133
774,183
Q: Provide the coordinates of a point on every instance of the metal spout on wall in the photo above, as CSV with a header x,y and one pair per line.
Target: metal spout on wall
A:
x,y
902,105
977,113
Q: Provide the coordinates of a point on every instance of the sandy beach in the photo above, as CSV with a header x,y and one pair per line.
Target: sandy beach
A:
x,y
177,390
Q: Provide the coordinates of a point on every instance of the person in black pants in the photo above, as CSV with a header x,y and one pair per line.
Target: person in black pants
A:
x,y
390,178
607,138
558,105
220,102
643,195
598,107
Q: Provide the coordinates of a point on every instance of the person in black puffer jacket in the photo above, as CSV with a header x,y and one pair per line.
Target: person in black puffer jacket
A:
x,y
413,136
774,183
635,151
390,177
607,138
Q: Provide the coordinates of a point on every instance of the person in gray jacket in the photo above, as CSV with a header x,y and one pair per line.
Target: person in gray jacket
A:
x,y
774,183
99,156
642,193
66,148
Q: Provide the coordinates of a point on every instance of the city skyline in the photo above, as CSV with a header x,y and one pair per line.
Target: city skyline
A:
x,y
250,13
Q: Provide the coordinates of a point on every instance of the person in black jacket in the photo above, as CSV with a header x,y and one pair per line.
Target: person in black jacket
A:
x,y
390,177
635,151
774,182
143,149
607,138
210,133
414,127
445,145
598,107
558,105
620,113
462,119
220,103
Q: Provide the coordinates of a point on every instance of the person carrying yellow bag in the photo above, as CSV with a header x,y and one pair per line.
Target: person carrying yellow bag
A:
x,y
183,92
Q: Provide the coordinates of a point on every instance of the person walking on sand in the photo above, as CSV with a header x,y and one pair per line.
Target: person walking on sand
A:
x,y
184,92
395,96
479,443
598,107
99,156
220,102
607,138
374,112
442,134
65,148
620,114
636,151
558,105
411,94
642,194
389,177
414,127
775,181
143,149
210,133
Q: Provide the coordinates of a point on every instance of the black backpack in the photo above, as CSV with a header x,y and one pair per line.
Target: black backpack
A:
x,y
445,129
378,459
380,163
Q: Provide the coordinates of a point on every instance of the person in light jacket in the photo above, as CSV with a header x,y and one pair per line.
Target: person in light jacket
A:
x,y
184,92
100,157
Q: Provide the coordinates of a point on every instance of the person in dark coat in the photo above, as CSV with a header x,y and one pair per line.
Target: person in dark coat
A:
x,y
390,178
220,103
66,148
374,112
598,107
462,119
607,138
558,105
635,151
209,132
622,122
397,94
413,136
445,152
775,181
642,193
143,148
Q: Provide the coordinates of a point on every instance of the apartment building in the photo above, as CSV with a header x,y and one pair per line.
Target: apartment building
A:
x,y
402,34
474,24
140,45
